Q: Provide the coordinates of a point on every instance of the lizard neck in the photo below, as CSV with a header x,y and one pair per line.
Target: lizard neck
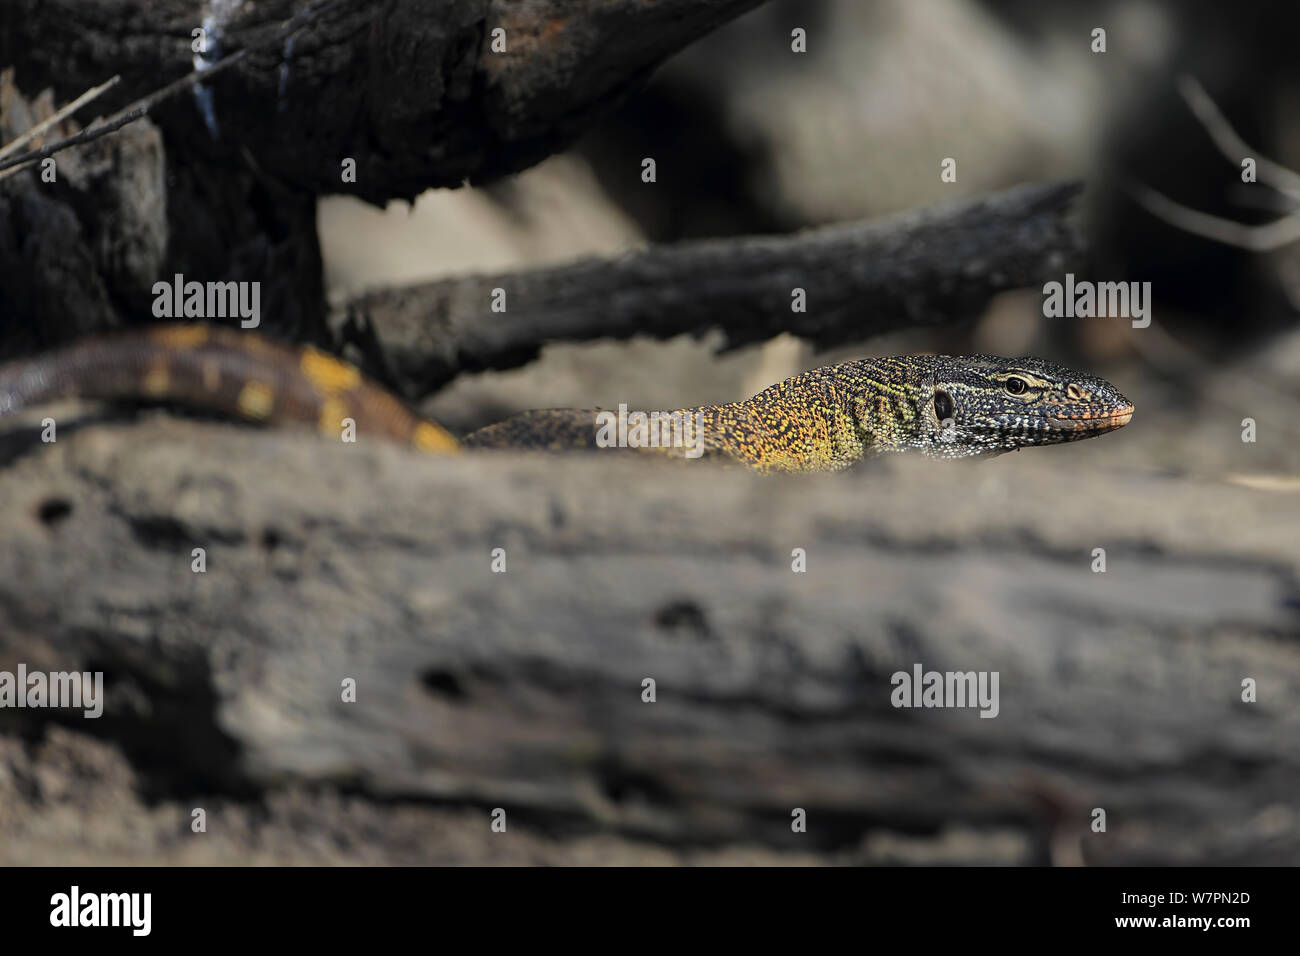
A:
x,y
821,420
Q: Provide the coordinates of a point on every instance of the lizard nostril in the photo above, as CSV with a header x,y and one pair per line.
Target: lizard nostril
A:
x,y
1074,392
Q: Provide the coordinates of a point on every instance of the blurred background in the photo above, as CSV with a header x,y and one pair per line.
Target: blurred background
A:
x,y
748,142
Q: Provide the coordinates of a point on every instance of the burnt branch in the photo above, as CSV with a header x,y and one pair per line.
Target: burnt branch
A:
x,y
930,267
420,93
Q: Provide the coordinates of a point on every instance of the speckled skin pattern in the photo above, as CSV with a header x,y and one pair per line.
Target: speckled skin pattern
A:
x,y
822,420
943,406
223,370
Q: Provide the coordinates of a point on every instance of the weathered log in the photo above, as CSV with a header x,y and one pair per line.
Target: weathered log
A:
x,y
523,690
419,93
413,93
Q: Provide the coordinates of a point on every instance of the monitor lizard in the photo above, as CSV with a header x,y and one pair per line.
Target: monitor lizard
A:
x,y
944,406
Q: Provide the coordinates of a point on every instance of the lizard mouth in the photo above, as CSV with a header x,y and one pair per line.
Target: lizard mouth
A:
x,y
1088,421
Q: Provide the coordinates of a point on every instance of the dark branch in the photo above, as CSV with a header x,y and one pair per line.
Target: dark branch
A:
x,y
930,267
412,90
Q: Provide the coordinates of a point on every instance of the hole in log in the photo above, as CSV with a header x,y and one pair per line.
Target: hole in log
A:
x,y
443,684
54,510
682,618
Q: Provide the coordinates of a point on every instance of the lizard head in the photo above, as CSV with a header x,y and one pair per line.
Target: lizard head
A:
x,y
987,405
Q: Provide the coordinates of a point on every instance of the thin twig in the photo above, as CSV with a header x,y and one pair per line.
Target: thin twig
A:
x,y
1258,238
1230,144
142,106
41,127
129,114
1262,238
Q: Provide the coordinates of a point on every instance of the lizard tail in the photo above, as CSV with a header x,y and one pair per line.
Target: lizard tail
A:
x,y
551,429
223,370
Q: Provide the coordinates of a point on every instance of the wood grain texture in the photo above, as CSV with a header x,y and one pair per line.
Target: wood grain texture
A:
x,y
412,89
522,690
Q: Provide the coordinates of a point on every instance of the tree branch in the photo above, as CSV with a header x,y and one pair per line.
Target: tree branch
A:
x,y
413,90
930,267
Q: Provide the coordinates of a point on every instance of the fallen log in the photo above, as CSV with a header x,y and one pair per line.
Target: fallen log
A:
x,y
523,690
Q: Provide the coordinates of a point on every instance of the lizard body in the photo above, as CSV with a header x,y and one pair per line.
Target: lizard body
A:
x,y
943,406
820,420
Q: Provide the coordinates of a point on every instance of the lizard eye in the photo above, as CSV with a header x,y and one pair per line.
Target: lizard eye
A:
x,y
1016,386
943,406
